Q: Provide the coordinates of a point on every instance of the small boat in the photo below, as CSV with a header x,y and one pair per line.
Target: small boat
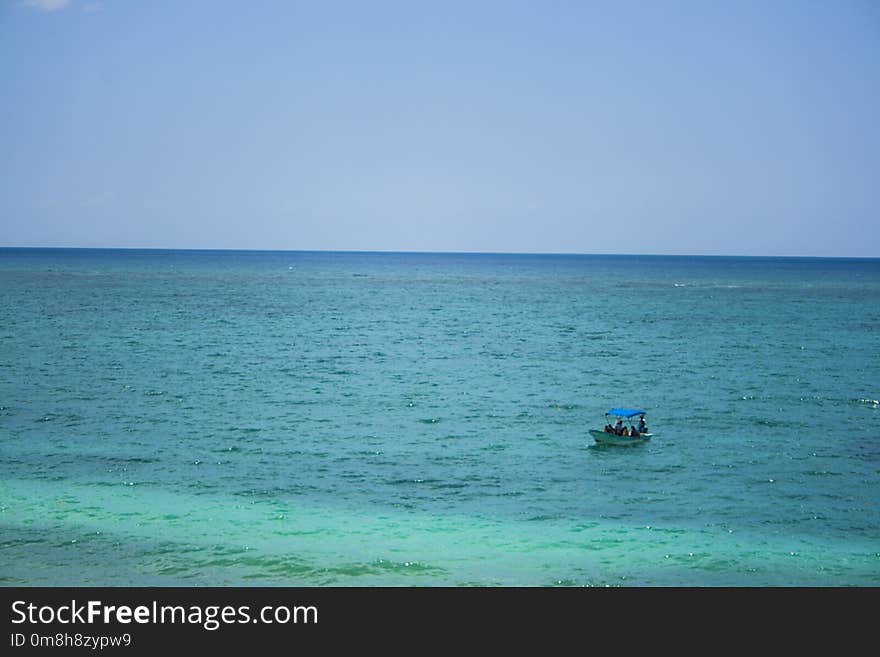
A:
x,y
622,415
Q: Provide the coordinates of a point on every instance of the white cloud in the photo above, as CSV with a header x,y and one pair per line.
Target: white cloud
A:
x,y
47,5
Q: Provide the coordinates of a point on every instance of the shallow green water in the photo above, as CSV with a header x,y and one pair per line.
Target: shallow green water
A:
x,y
209,418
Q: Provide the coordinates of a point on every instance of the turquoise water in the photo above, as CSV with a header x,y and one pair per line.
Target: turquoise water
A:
x,y
297,418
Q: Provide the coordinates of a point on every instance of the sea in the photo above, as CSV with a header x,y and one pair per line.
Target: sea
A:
x,y
244,418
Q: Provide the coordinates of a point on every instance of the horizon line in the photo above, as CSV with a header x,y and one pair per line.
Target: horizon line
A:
x,y
435,252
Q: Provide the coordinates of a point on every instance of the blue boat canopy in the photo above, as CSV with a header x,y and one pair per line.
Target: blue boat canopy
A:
x,y
625,412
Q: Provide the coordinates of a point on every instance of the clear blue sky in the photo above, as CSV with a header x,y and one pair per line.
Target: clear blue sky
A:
x,y
701,127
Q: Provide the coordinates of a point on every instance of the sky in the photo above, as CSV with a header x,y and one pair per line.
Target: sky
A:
x,y
668,127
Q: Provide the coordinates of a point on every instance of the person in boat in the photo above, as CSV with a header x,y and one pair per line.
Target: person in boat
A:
x,y
634,433
642,428
609,428
618,427
625,432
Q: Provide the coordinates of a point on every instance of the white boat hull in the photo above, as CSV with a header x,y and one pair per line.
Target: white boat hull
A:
x,y
605,438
